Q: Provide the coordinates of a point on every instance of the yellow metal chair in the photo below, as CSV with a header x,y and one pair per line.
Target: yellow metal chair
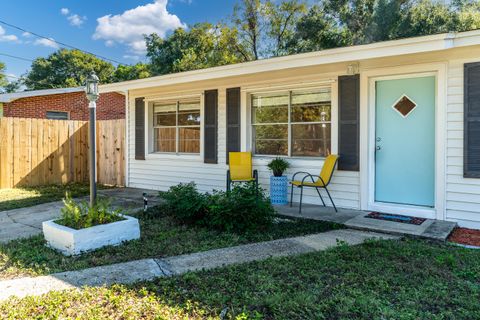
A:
x,y
241,169
321,182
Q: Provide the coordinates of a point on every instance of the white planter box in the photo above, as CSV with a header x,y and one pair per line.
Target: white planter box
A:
x,y
73,242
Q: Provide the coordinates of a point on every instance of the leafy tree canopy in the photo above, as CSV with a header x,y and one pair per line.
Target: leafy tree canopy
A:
x,y
337,23
203,45
3,78
126,72
66,68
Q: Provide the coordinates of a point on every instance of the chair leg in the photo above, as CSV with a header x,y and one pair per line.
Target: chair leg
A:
x,y
291,197
320,195
228,181
331,200
301,198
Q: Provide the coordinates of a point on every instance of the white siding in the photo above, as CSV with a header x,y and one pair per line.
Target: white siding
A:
x,y
462,195
158,172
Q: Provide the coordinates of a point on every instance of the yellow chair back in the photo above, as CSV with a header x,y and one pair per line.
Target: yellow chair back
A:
x,y
240,166
328,167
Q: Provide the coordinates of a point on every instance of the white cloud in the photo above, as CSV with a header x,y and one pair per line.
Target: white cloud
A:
x,y
46,43
130,26
26,34
131,57
4,37
76,20
64,11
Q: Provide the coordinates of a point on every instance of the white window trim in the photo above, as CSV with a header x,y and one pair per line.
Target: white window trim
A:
x,y
247,132
149,141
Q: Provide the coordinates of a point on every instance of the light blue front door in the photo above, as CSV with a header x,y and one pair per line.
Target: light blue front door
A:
x,y
405,141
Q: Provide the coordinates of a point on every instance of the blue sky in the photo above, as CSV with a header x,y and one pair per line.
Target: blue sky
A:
x,y
116,35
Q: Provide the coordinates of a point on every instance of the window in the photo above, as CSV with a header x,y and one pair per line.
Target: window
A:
x,y
296,123
57,115
176,127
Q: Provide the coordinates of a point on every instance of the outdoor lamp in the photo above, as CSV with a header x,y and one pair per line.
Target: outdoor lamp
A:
x,y
91,89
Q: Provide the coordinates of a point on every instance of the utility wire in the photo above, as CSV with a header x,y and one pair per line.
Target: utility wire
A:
x,y
58,42
15,57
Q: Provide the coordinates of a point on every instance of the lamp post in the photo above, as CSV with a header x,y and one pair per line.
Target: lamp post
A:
x,y
91,89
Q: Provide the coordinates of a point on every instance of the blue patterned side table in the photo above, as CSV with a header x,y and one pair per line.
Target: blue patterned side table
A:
x,y
279,190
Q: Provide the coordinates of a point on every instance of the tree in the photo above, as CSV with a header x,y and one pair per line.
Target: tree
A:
x,y
133,72
249,19
66,68
203,45
12,86
338,23
283,19
424,18
3,78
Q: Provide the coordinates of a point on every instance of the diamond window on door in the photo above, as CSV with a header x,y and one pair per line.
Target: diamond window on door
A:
x,y
404,106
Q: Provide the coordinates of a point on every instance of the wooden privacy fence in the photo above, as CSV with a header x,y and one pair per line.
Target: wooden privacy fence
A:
x,y
39,152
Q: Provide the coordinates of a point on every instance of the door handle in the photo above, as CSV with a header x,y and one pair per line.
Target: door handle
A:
x,y
378,148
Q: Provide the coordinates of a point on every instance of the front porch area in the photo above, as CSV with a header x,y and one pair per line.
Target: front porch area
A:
x,y
430,229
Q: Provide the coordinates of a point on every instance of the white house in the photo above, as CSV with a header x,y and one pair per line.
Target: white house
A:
x,y
403,115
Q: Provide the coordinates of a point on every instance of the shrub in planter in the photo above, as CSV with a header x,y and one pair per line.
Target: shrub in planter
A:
x,y
278,182
185,203
243,209
80,215
82,228
278,166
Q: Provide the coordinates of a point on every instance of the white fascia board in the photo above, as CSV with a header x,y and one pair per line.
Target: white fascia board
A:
x,y
391,48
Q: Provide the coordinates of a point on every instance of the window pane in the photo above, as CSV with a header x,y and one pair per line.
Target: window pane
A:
x,y
313,106
164,139
165,115
270,108
57,115
311,140
189,113
271,139
189,140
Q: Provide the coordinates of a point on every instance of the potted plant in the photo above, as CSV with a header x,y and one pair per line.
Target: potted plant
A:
x,y
83,228
278,182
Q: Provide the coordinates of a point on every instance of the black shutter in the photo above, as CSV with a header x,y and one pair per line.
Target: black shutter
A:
x,y
139,129
210,126
349,123
471,150
233,120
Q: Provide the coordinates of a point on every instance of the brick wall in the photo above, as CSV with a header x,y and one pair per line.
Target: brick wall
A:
x,y
110,106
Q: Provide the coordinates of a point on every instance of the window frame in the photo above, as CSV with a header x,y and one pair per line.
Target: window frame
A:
x,y
152,126
56,111
290,91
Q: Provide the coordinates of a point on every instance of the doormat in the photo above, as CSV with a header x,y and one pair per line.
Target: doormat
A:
x,y
395,218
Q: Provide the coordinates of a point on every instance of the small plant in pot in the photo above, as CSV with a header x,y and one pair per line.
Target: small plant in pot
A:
x,y
278,182
83,228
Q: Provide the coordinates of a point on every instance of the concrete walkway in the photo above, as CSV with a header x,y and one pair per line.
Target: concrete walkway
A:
x,y
148,269
430,229
27,222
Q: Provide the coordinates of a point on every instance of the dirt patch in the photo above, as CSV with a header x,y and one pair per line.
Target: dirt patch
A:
x,y
466,236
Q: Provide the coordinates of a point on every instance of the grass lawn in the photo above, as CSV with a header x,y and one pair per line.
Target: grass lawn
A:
x,y
376,280
27,197
161,236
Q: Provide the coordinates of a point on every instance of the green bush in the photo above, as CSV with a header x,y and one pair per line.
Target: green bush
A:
x,y
81,215
243,209
185,203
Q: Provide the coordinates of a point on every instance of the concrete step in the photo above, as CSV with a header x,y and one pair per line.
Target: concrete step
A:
x,y
431,229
